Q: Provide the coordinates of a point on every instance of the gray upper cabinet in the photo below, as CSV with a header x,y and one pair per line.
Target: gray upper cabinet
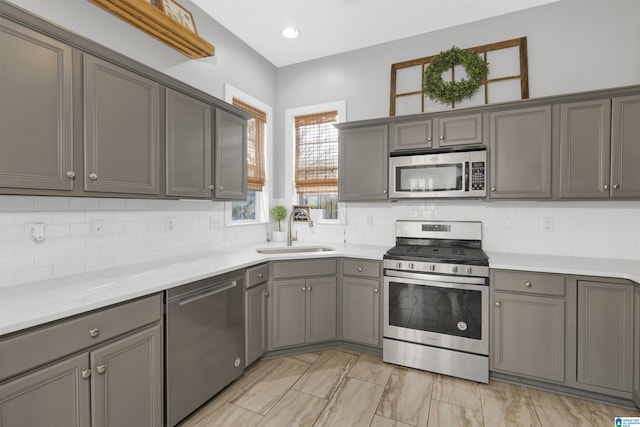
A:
x,y
605,335
585,149
528,326
363,164
452,131
625,147
413,135
35,110
188,146
460,130
230,157
121,112
520,145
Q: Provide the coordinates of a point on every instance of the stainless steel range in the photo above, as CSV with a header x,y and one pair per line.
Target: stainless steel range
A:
x,y
436,299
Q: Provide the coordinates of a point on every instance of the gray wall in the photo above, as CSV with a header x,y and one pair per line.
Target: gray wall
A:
x,y
573,46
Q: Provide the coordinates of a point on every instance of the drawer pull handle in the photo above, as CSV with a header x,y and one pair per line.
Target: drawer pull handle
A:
x,y
260,275
359,269
101,369
527,284
94,333
86,374
497,303
266,294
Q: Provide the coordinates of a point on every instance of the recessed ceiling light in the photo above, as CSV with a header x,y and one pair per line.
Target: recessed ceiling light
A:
x,y
290,33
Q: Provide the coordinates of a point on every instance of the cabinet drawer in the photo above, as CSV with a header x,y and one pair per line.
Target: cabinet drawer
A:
x,y
527,282
306,268
47,343
256,275
361,268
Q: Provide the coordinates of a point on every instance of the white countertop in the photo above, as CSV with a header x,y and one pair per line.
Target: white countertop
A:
x,y
28,305
33,304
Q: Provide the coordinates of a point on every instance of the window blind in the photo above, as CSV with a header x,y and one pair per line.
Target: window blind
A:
x,y
316,167
256,129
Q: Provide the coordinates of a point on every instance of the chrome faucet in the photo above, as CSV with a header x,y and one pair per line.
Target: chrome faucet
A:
x,y
293,212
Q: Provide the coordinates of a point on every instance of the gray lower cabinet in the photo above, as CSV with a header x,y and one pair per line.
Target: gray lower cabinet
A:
x,y
452,131
121,135
528,325
605,335
230,157
35,110
363,164
101,369
255,323
188,146
520,148
361,284
636,345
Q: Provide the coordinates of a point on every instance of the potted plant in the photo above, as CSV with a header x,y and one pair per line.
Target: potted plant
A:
x,y
278,213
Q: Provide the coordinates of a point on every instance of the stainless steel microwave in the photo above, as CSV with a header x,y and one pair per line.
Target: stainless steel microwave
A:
x,y
439,174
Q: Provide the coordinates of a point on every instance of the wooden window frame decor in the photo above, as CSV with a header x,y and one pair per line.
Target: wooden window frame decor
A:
x,y
523,76
151,16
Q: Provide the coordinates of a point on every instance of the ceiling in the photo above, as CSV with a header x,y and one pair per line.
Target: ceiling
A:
x,y
328,27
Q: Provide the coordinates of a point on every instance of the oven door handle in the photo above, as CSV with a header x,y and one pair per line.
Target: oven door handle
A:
x,y
437,278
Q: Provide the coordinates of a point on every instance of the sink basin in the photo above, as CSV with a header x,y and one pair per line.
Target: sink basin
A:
x,y
294,249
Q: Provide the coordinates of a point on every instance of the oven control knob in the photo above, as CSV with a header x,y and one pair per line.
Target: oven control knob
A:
x,y
411,266
468,270
432,267
398,265
454,269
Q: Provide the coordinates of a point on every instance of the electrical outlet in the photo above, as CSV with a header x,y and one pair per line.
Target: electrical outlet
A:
x,y
547,224
35,232
214,221
169,224
97,229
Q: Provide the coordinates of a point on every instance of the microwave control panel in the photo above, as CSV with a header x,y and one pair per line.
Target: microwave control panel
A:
x,y
478,177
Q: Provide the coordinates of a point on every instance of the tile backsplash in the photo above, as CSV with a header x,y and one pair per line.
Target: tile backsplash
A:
x,y
87,234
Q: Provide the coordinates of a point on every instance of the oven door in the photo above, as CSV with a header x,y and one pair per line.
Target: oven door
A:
x,y
439,311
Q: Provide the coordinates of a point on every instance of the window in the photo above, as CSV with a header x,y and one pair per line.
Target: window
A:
x,y
316,161
258,131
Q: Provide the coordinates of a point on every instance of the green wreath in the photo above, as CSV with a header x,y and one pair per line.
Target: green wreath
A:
x,y
439,90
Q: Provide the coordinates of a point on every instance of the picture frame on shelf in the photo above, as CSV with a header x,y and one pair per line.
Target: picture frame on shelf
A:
x,y
178,13
302,214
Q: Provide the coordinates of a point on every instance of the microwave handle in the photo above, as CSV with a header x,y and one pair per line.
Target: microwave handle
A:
x,y
466,176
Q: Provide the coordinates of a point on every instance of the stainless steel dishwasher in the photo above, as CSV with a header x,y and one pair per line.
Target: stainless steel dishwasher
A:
x,y
204,343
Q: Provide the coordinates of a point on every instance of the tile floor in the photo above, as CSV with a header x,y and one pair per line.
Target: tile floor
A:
x,y
342,387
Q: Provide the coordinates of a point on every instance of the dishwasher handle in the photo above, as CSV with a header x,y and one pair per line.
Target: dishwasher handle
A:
x,y
208,291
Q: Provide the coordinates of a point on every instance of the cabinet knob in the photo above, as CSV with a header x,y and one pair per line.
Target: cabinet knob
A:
x,y
86,374
94,333
211,187
304,288
308,288
606,186
493,188
266,294
497,303
384,191
71,174
220,187
429,139
359,269
441,137
101,369
616,187
93,177
376,290
527,284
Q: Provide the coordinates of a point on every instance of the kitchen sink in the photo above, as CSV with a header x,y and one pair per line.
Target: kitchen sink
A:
x,y
294,249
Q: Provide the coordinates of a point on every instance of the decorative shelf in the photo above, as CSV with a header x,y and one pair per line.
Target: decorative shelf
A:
x,y
156,23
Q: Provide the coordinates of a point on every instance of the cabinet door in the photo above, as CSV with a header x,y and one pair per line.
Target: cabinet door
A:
x,y
321,309
605,335
585,129
636,337
363,164
625,147
35,110
528,335
230,157
121,112
288,324
188,145
411,135
127,381
521,153
460,130
255,323
361,310
57,395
